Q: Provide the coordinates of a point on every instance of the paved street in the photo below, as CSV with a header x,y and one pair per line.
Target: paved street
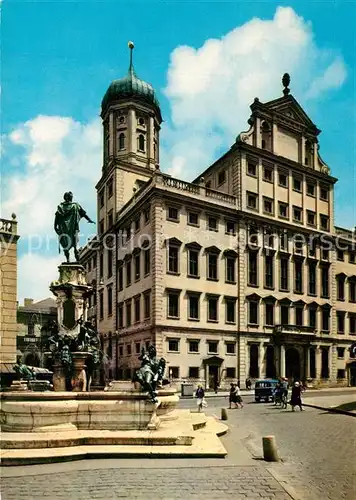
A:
x,y
317,450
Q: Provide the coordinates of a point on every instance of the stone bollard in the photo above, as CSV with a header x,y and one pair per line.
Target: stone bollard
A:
x,y
223,414
270,453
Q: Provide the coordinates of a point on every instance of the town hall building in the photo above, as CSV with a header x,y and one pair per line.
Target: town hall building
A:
x,y
239,273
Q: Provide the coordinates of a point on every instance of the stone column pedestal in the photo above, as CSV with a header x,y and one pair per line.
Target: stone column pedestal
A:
x,y
59,378
79,378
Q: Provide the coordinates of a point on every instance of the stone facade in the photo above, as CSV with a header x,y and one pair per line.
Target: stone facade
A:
x,y
8,289
236,274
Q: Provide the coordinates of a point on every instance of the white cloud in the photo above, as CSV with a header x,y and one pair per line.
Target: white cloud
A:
x,y
210,87
59,154
35,275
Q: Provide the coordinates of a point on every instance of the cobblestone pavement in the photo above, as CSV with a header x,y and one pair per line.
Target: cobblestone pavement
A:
x,y
318,462
166,484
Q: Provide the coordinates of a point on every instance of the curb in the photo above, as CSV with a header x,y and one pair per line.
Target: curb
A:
x,y
331,409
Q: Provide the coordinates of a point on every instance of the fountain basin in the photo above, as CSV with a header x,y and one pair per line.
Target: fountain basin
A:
x,y
65,411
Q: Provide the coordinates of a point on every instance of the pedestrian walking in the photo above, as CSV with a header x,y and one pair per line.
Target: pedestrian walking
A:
x,y
248,384
296,399
233,395
200,393
284,392
238,397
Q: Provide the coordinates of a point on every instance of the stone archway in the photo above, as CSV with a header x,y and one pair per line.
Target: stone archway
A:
x,y
293,367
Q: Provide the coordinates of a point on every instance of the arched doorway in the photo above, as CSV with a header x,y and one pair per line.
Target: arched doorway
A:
x,y
270,362
293,364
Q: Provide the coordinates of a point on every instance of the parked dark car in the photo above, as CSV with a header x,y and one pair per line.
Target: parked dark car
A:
x,y
264,389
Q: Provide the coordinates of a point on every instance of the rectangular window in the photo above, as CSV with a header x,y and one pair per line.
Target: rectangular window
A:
x,y
146,215
121,350
284,314
173,214
110,219
267,174
325,317
173,345
101,199
212,347
283,179
128,349
340,255
137,224
212,267
297,214
147,261
101,304
230,228
193,263
173,305
110,188
212,224
340,317
137,309
340,287
174,372
213,308
173,253
230,348
312,278
109,290
120,277
101,265
253,312
193,219
193,372
128,273
283,210
128,313
340,373
137,266
252,169
230,270
297,185
311,221
324,282
267,205
230,311
101,226
147,305
193,345
252,201
324,193
324,222
269,314
312,317
120,314
269,271
252,269
352,320
230,372
221,177
283,241
352,291
311,189
299,316
284,274
138,348
298,276
352,257
193,307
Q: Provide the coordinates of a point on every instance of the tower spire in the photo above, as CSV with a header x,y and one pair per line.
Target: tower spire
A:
x,y
131,67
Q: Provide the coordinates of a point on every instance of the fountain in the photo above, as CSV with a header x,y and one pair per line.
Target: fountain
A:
x,y
138,418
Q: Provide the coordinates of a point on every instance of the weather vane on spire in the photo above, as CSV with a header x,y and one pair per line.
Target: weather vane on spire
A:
x,y
286,82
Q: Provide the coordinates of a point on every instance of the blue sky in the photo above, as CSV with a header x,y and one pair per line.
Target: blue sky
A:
x,y
59,57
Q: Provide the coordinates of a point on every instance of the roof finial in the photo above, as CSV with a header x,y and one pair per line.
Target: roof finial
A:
x,y
131,47
286,82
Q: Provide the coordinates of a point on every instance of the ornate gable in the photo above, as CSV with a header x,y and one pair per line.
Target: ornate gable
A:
x,y
288,108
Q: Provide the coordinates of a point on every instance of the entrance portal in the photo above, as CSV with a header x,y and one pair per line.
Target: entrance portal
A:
x,y
213,375
270,362
293,364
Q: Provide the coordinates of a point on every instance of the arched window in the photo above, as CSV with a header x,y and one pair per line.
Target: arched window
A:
x,y
266,136
121,141
141,142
